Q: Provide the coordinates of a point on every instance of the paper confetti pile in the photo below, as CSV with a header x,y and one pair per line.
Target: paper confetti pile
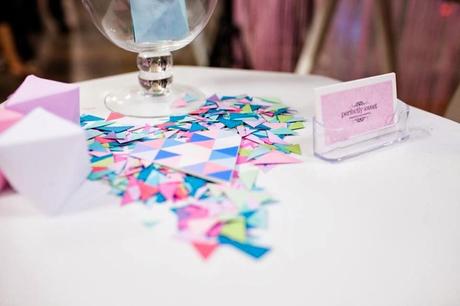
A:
x,y
204,165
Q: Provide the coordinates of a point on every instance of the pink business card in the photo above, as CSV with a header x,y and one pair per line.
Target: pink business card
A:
x,y
349,109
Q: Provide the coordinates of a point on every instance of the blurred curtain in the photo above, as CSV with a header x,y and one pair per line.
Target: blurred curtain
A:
x,y
428,43
272,32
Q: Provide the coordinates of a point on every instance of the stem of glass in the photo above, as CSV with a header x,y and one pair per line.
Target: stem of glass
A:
x,y
155,72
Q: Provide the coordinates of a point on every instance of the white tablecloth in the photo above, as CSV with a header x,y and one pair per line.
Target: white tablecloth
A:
x,y
381,229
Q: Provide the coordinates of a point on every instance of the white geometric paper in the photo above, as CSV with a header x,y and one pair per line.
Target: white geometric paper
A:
x,y
45,158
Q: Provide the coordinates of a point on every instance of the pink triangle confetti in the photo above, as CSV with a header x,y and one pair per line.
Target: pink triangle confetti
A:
x,y
114,116
179,103
276,157
205,249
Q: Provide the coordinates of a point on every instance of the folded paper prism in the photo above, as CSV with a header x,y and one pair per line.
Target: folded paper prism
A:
x,y
7,119
157,20
62,99
45,158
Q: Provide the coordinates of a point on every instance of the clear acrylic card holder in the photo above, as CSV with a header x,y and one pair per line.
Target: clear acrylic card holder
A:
x,y
356,145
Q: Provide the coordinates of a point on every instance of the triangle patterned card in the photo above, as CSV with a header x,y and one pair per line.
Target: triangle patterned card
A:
x,y
210,155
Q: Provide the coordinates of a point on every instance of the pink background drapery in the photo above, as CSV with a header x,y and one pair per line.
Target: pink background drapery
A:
x,y
272,31
427,37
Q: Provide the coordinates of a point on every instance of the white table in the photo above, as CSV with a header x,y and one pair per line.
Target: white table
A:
x,y
382,229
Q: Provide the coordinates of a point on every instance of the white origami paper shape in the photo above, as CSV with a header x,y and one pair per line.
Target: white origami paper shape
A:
x,y
44,158
62,99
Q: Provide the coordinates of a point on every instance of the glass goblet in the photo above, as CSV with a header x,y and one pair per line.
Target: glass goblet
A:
x,y
153,29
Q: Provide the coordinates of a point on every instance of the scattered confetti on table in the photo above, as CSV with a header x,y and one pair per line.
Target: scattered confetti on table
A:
x,y
204,165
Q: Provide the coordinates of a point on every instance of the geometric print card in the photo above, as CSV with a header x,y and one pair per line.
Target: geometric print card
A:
x,y
210,155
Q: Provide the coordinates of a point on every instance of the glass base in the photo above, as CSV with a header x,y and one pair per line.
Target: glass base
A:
x,y
135,102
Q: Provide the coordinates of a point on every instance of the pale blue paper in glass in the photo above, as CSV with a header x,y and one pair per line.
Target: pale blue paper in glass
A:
x,y
159,20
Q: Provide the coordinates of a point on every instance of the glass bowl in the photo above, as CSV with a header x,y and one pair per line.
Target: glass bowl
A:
x,y
153,29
